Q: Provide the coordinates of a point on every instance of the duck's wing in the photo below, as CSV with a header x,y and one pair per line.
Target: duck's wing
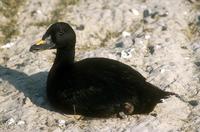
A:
x,y
99,80
91,89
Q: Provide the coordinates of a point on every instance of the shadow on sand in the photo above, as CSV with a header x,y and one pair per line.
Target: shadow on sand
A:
x,y
33,87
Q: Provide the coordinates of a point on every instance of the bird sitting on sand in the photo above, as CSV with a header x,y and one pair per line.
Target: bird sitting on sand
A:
x,y
94,87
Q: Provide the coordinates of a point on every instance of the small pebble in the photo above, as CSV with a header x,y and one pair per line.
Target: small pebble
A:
x,y
149,69
27,101
162,100
126,34
162,70
164,15
153,114
126,53
164,28
184,47
42,128
196,63
135,12
185,13
20,122
7,46
193,102
61,123
146,13
80,27
147,36
39,12
119,45
157,47
151,49
141,42
198,18
10,121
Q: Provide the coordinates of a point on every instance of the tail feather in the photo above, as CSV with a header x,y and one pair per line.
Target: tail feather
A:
x,y
150,96
155,93
168,94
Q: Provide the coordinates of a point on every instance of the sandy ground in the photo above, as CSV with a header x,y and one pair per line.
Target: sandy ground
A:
x,y
159,38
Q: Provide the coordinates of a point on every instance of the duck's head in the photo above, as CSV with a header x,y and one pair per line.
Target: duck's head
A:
x,y
59,35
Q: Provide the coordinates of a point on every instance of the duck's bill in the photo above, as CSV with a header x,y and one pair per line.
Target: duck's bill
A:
x,y
42,45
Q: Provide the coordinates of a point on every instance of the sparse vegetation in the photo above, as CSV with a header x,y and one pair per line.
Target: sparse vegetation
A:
x,y
57,14
192,31
9,9
109,35
9,30
196,5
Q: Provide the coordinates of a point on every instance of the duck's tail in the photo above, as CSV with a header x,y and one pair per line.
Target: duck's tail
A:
x,y
150,96
157,94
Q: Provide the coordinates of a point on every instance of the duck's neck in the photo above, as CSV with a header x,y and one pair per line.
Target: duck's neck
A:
x,y
64,56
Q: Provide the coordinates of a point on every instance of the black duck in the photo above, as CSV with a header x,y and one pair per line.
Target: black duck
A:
x,y
95,87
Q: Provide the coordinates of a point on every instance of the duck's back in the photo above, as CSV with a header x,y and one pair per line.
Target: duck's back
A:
x,y
107,68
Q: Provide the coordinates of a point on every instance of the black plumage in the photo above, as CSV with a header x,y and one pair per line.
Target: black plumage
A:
x,y
94,86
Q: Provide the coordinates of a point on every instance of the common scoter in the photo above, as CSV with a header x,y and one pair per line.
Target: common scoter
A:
x,y
94,87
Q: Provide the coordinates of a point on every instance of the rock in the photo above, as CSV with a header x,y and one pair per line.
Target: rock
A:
x,y
164,28
119,45
21,122
126,54
27,102
80,27
10,121
126,34
135,12
194,102
162,71
146,13
61,123
151,49
147,36
7,46
196,63
149,69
